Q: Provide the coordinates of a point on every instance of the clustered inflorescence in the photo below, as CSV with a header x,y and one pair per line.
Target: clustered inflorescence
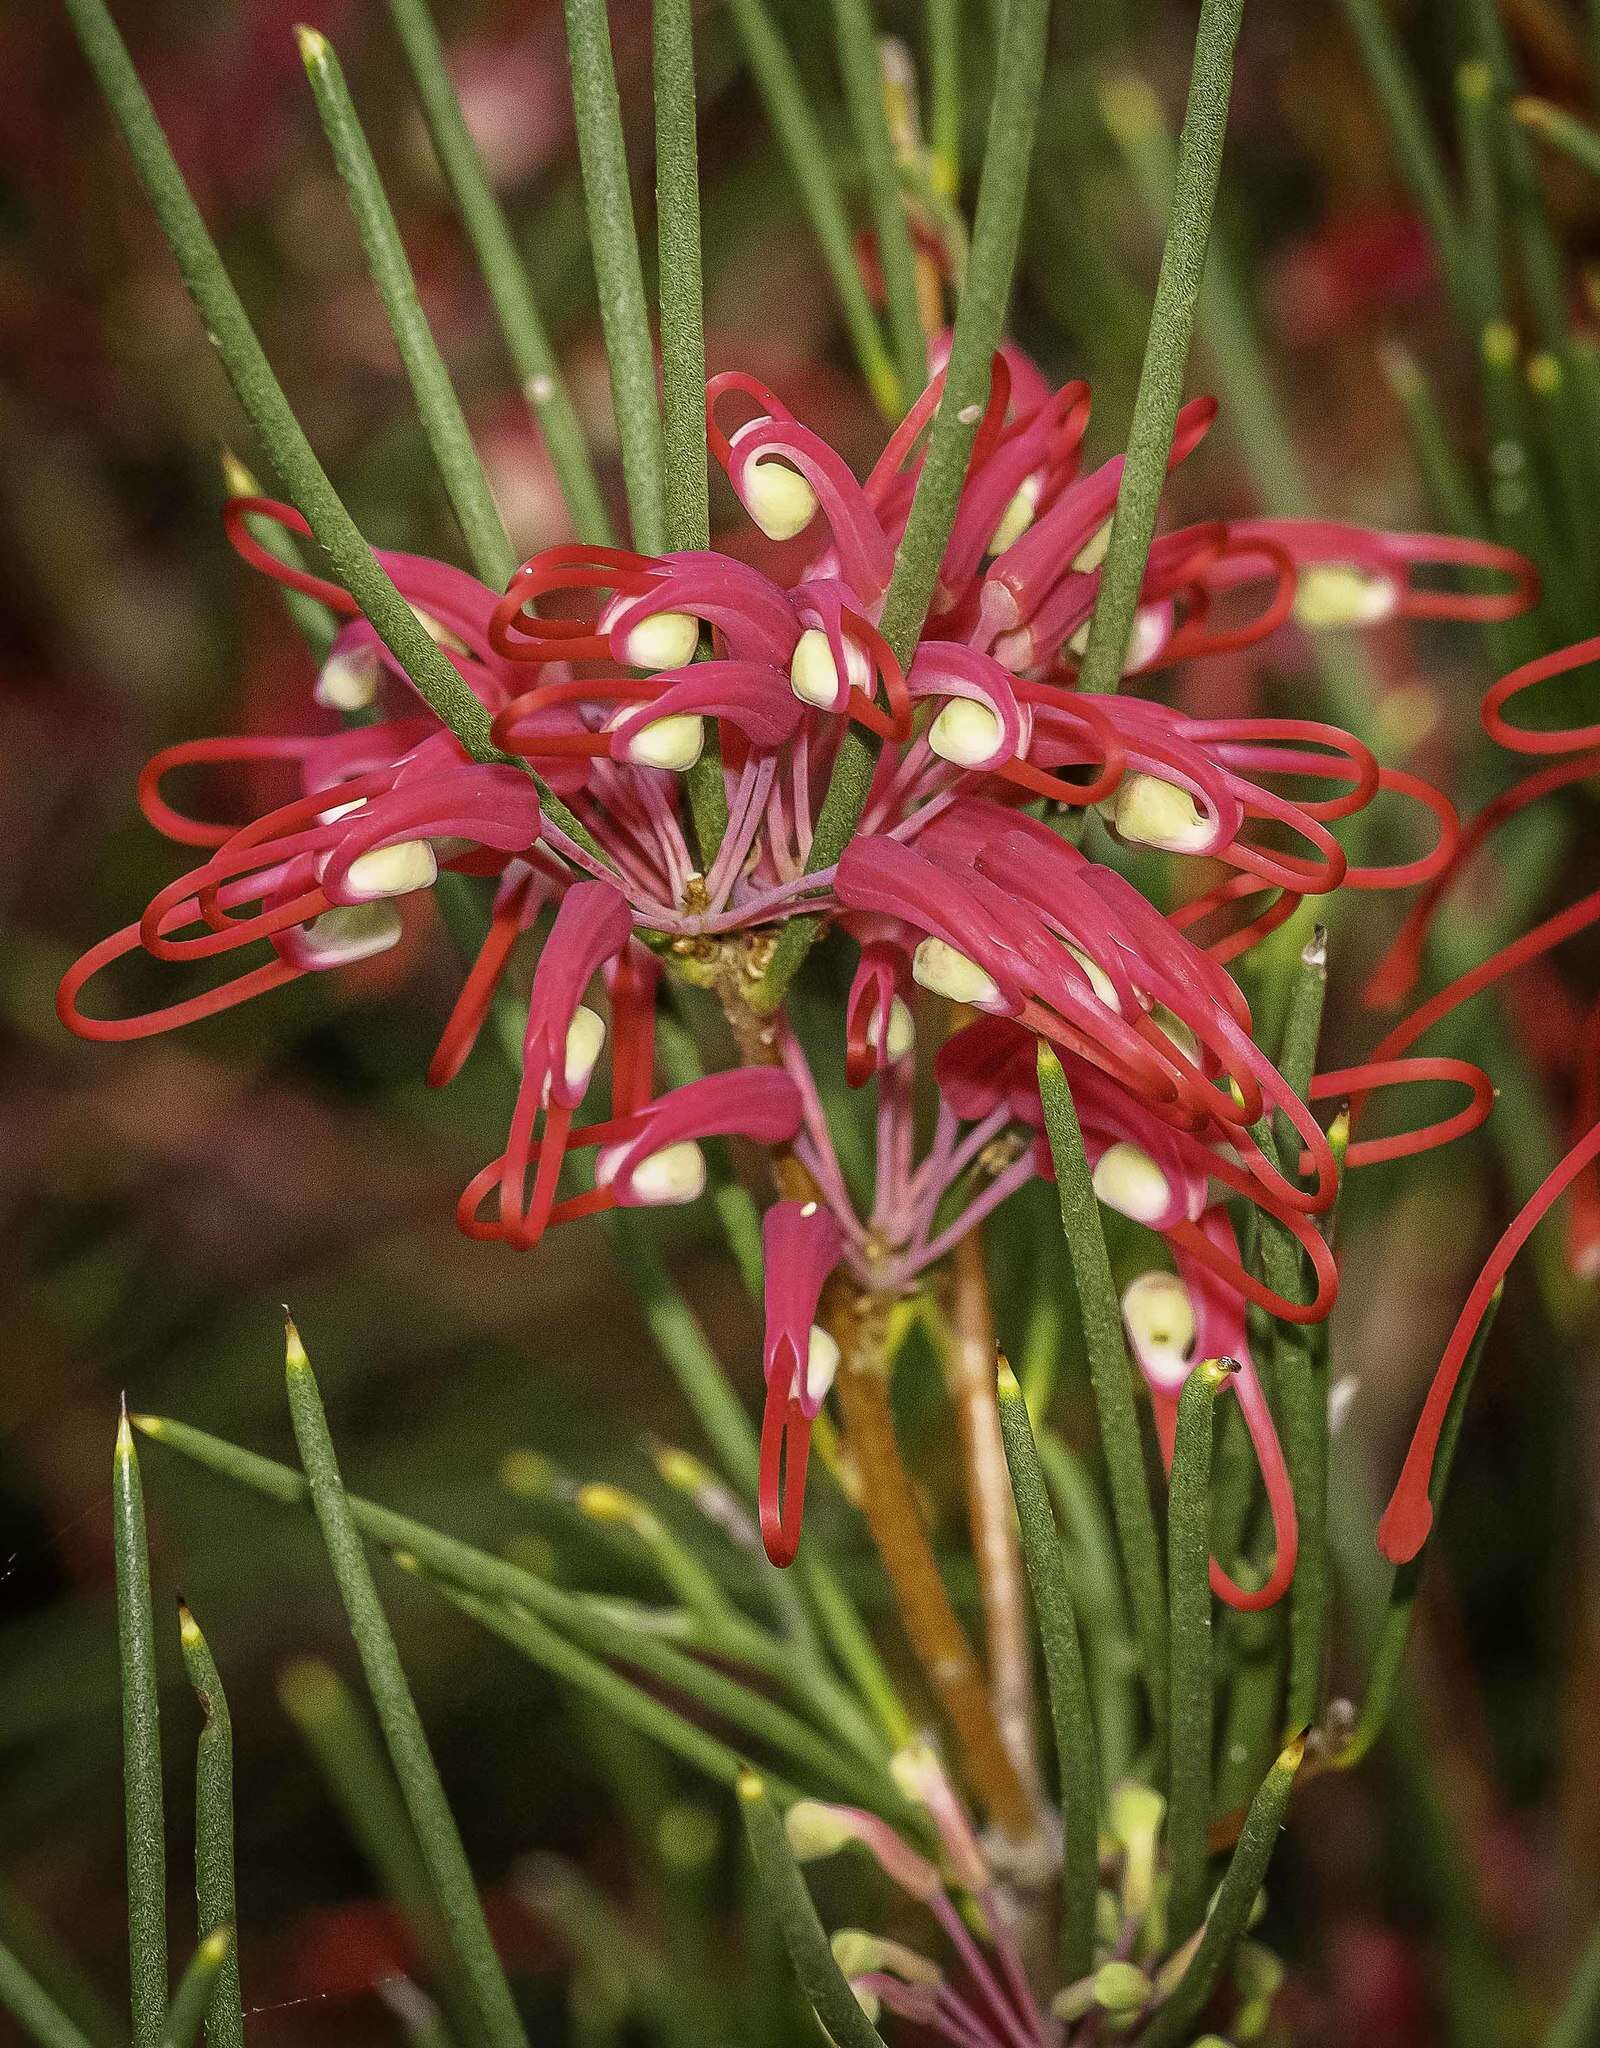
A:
x,y
608,673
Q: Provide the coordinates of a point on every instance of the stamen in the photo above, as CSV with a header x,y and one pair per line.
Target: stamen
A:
x,y
674,743
1329,594
1128,1180
348,932
902,1035
943,971
1150,812
348,682
778,499
393,870
814,674
966,733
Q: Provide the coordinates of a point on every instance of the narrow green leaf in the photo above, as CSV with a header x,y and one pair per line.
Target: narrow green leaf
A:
x,y
1096,1582
32,2007
362,1785
403,1733
213,1831
619,277
784,1889
195,1986
141,1748
505,274
454,456
857,41
1166,354
944,94
1235,1901
1575,139
1188,1580
810,163
1064,1680
979,328
1577,2025
1112,1383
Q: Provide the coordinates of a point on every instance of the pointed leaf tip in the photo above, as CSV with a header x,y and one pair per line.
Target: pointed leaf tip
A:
x,y
752,1786
314,48
294,1352
1009,1386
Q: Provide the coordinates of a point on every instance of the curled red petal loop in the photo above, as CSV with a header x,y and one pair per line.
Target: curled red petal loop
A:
x,y
1519,739
513,908
1191,1240
237,511
1357,1083
1408,1518
242,747
255,981
1284,904
1406,874
785,1454
1396,974
1196,638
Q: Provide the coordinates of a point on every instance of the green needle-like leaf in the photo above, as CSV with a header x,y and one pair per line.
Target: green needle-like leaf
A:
x,y
784,1890
32,2007
1230,1914
195,1987
403,1733
454,456
141,1748
1064,1680
505,275
1166,354
213,1831
614,240
1188,1580
863,84
1113,1386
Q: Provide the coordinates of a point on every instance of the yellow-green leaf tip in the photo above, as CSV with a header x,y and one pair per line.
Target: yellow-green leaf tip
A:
x,y
294,1352
752,1786
1009,1386
313,43
214,1949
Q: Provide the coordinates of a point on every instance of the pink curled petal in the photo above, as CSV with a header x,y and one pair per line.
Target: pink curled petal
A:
x,y
802,1244
745,694
759,1103
750,612
943,669
880,874
988,1063
866,557
591,928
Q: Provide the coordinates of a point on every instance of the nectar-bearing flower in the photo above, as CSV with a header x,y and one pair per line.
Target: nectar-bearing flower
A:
x,y
607,672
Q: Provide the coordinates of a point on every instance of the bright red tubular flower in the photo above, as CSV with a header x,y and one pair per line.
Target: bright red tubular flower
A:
x,y
603,672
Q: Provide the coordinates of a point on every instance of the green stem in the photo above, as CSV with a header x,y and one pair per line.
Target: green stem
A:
x,y
1383,1684
1235,1901
141,1748
1109,1375
403,1733
228,327
1097,1596
683,348
454,456
683,353
810,162
784,1889
944,94
979,326
863,85
213,1830
1172,315
619,276
1188,1577
32,2007
31,1956
1575,139
195,1987
505,275
1065,1681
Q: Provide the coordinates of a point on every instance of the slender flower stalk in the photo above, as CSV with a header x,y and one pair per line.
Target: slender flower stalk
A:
x,y
213,1831
1070,1711
1166,355
403,1733
141,1749
1188,1552
504,273
455,458
624,315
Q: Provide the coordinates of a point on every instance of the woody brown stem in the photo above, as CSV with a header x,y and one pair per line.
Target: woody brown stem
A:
x,y
930,1621
970,1366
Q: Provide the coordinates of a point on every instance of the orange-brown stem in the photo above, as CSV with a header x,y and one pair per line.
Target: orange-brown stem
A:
x,y
926,1614
970,1366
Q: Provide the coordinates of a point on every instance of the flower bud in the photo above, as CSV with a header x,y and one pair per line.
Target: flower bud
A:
x,y
965,733
778,499
586,1035
663,640
943,971
344,934
1019,515
902,1031
393,870
814,674
348,682
673,743
1128,1180
1339,594
1150,812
